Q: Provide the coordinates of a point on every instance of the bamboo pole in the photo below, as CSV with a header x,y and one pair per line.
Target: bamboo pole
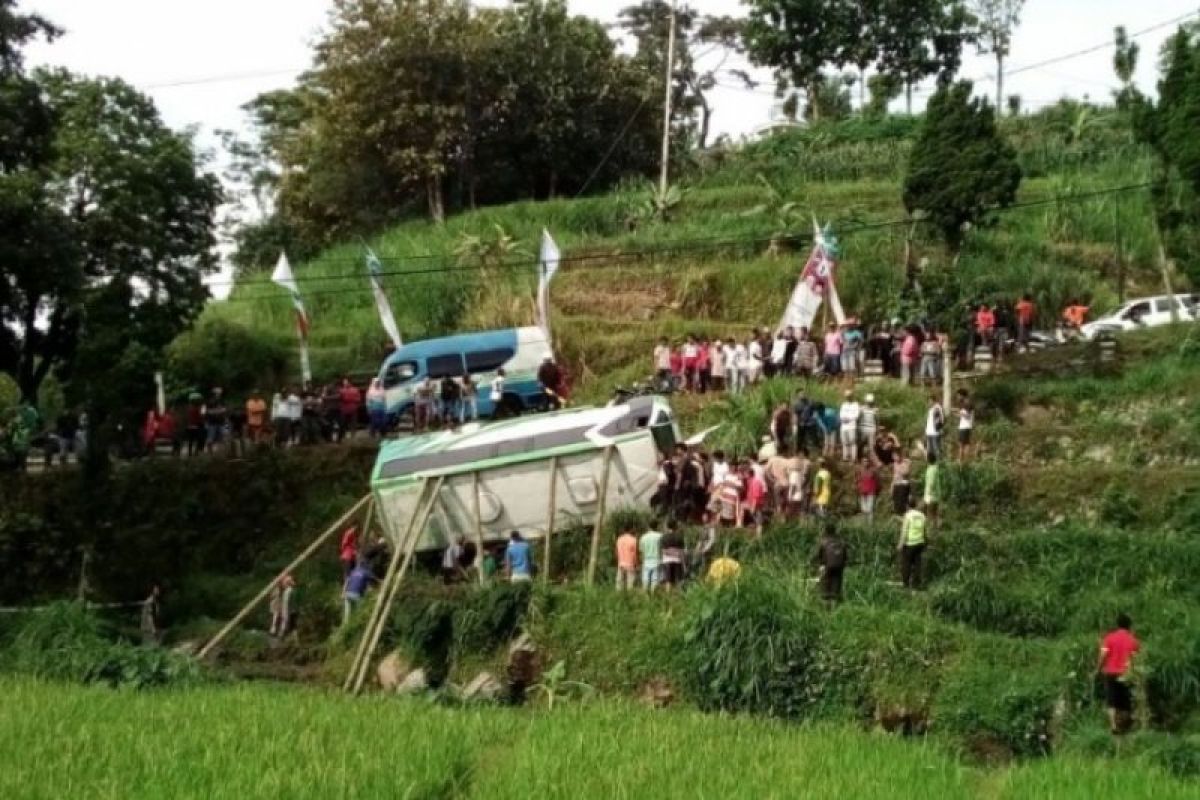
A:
x,y
478,526
550,509
383,586
383,606
300,559
591,575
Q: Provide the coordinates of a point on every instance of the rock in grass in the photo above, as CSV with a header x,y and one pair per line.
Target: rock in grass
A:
x,y
392,670
483,688
414,683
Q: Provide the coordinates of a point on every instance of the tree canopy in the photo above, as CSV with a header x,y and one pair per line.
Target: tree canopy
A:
x,y
107,217
960,170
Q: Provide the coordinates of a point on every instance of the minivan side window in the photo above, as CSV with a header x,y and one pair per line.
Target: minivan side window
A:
x,y
438,367
1138,310
1162,304
488,360
398,373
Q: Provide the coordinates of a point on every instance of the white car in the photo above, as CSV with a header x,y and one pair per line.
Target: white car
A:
x,y
1145,312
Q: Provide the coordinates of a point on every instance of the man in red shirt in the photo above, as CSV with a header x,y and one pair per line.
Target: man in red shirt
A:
x,y
349,400
985,324
1115,664
1025,311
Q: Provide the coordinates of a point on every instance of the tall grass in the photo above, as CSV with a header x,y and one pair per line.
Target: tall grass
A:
x,y
270,742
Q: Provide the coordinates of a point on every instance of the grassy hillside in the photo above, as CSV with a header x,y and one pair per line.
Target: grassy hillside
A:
x,y
271,742
708,268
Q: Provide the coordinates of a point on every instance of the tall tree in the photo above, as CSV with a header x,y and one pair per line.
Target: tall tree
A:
x,y
922,38
696,37
1125,59
996,21
960,170
798,39
1169,126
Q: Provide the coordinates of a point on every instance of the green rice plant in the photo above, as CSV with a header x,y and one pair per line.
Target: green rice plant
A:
x,y
746,648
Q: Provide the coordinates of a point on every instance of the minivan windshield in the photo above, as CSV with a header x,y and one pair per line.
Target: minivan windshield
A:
x,y
398,373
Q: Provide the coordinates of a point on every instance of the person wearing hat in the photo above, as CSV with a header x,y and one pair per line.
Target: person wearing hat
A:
x,y
868,425
848,417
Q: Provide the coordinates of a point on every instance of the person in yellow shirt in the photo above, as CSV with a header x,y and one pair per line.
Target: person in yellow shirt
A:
x,y
911,545
822,489
724,570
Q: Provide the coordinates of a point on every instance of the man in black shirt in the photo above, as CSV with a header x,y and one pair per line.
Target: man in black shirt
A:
x,y
831,557
451,395
549,377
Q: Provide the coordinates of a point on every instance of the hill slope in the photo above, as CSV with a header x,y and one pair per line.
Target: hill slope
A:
x,y
626,280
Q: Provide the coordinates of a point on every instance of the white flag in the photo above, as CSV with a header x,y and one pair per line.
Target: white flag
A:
x,y
375,270
817,284
548,262
283,276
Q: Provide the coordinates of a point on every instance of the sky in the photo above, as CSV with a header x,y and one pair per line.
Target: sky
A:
x,y
201,60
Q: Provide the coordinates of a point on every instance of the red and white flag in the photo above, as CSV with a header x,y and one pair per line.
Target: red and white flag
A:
x,y
282,276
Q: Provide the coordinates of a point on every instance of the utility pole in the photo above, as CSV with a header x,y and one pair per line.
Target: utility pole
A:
x,y
664,175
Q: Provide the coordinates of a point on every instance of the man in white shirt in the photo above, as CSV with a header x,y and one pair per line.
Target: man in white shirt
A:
x,y
754,361
662,359
294,408
848,416
720,469
740,365
716,364
935,420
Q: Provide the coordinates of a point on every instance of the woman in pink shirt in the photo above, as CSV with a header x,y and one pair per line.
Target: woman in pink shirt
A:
x,y
833,351
909,350
756,495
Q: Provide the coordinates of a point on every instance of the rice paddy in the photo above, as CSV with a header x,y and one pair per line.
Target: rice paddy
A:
x,y
261,741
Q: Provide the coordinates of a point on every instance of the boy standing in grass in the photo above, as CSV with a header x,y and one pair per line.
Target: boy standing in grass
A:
x,y
650,549
933,490
830,558
822,489
518,559
627,560
1115,664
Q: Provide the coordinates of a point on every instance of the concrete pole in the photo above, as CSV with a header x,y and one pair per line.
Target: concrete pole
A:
x,y
664,174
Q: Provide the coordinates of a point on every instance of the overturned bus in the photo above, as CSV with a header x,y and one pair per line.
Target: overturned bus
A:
x,y
488,479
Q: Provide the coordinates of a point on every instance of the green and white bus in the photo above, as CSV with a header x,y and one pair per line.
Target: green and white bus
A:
x,y
504,469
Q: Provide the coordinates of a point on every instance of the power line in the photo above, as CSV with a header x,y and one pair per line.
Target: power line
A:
x,y
682,246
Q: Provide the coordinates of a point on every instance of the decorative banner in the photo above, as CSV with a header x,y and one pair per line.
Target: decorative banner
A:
x,y
375,271
817,283
283,276
548,262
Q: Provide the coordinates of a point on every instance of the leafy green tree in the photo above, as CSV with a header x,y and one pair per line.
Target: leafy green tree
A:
x,y
647,22
922,38
960,170
1169,126
884,89
798,39
996,20
1125,59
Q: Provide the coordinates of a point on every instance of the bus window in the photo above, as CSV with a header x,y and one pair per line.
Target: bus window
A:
x,y
438,367
488,360
398,373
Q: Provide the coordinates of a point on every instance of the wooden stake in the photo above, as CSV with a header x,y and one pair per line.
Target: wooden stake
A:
x,y
478,526
550,509
591,575
300,559
393,563
383,606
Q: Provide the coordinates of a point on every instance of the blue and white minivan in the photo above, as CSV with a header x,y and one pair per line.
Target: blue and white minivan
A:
x,y
520,351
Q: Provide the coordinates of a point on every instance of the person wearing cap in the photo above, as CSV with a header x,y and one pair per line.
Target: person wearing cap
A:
x,y
848,417
868,425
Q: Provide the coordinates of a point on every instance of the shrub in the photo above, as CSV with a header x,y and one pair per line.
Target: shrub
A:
x,y
220,352
998,398
1120,507
981,486
67,642
997,707
990,603
487,618
746,648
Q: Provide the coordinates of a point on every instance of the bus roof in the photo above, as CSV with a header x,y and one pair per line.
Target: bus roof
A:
x,y
522,439
464,342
